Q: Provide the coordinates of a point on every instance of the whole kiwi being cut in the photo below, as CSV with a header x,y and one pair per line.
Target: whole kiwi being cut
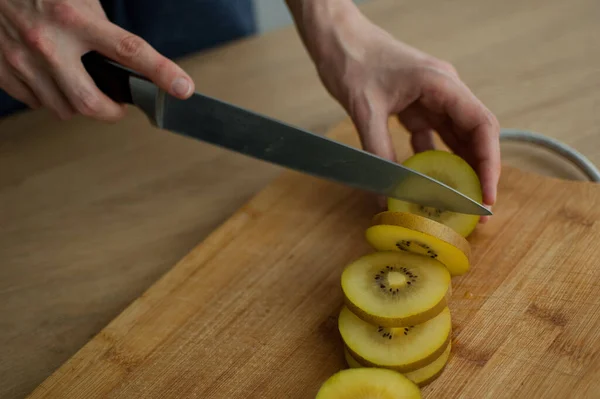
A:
x,y
395,289
402,349
368,383
454,172
423,376
406,232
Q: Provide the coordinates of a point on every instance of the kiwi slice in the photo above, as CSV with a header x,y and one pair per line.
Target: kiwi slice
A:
x,y
422,376
395,289
401,231
368,383
403,349
453,171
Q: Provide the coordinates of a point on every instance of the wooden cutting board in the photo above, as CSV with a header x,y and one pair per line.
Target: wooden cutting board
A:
x,y
251,311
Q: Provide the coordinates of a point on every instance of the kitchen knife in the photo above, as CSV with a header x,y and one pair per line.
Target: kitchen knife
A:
x,y
234,128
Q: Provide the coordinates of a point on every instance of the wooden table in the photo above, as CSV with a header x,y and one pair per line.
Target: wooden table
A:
x,y
92,214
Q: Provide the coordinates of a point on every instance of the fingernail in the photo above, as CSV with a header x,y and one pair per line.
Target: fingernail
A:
x,y
181,87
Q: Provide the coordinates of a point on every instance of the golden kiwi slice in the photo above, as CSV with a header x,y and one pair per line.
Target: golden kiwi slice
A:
x,y
401,231
422,376
453,171
395,289
367,383
403,349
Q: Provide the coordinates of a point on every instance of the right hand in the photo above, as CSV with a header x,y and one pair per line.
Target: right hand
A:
x,y
41,44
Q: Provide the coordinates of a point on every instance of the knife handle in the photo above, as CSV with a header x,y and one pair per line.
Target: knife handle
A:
x,y
110,77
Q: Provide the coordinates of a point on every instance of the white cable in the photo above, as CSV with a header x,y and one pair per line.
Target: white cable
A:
x,y
578,159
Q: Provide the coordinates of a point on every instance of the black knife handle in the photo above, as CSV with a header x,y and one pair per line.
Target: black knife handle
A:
x,y
110,77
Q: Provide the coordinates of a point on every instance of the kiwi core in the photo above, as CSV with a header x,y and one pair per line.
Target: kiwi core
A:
x,y
396,279
393,279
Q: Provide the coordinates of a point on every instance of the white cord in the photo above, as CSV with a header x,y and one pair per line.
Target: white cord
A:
x,y
578,159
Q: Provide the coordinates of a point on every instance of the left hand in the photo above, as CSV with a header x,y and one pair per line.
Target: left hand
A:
x,y
374,76
41,44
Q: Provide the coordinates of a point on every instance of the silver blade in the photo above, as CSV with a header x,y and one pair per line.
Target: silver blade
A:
x,y
231,127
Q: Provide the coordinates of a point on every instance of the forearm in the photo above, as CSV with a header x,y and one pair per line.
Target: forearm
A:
x,y
324,25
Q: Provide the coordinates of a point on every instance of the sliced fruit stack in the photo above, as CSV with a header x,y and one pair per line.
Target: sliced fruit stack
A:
x,y
395,323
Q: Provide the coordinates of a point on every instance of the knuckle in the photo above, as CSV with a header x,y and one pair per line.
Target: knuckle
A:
x,y
65,14
34,35
130,46
435,94
162,67
37,38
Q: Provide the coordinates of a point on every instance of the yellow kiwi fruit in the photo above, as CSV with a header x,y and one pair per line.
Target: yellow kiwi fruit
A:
x,y
395,289
454,172
406,232
423,376
402,349
368,383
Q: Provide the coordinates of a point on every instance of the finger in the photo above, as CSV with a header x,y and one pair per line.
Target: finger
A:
x,y
422,141
10,83
9,80
18,90
375,137
445,128
83,94
474,154
446,131
371,124
472,123
414,120
135,53
44,87
38,80
487,153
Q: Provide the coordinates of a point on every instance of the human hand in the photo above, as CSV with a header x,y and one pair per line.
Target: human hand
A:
x,y
41,44
374,76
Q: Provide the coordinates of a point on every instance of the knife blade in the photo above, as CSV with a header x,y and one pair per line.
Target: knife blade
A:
x,y
231,127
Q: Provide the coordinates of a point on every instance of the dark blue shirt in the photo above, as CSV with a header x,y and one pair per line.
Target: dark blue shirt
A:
x,y
175,28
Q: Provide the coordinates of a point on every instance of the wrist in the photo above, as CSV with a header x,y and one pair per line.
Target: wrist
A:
x,y
326,27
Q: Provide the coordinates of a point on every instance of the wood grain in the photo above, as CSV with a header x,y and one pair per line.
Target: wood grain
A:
x,y
92,214
251,312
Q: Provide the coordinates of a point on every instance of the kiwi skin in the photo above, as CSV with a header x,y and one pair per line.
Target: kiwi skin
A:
x,y
408,367
429,380
399,322
425,226
420,384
